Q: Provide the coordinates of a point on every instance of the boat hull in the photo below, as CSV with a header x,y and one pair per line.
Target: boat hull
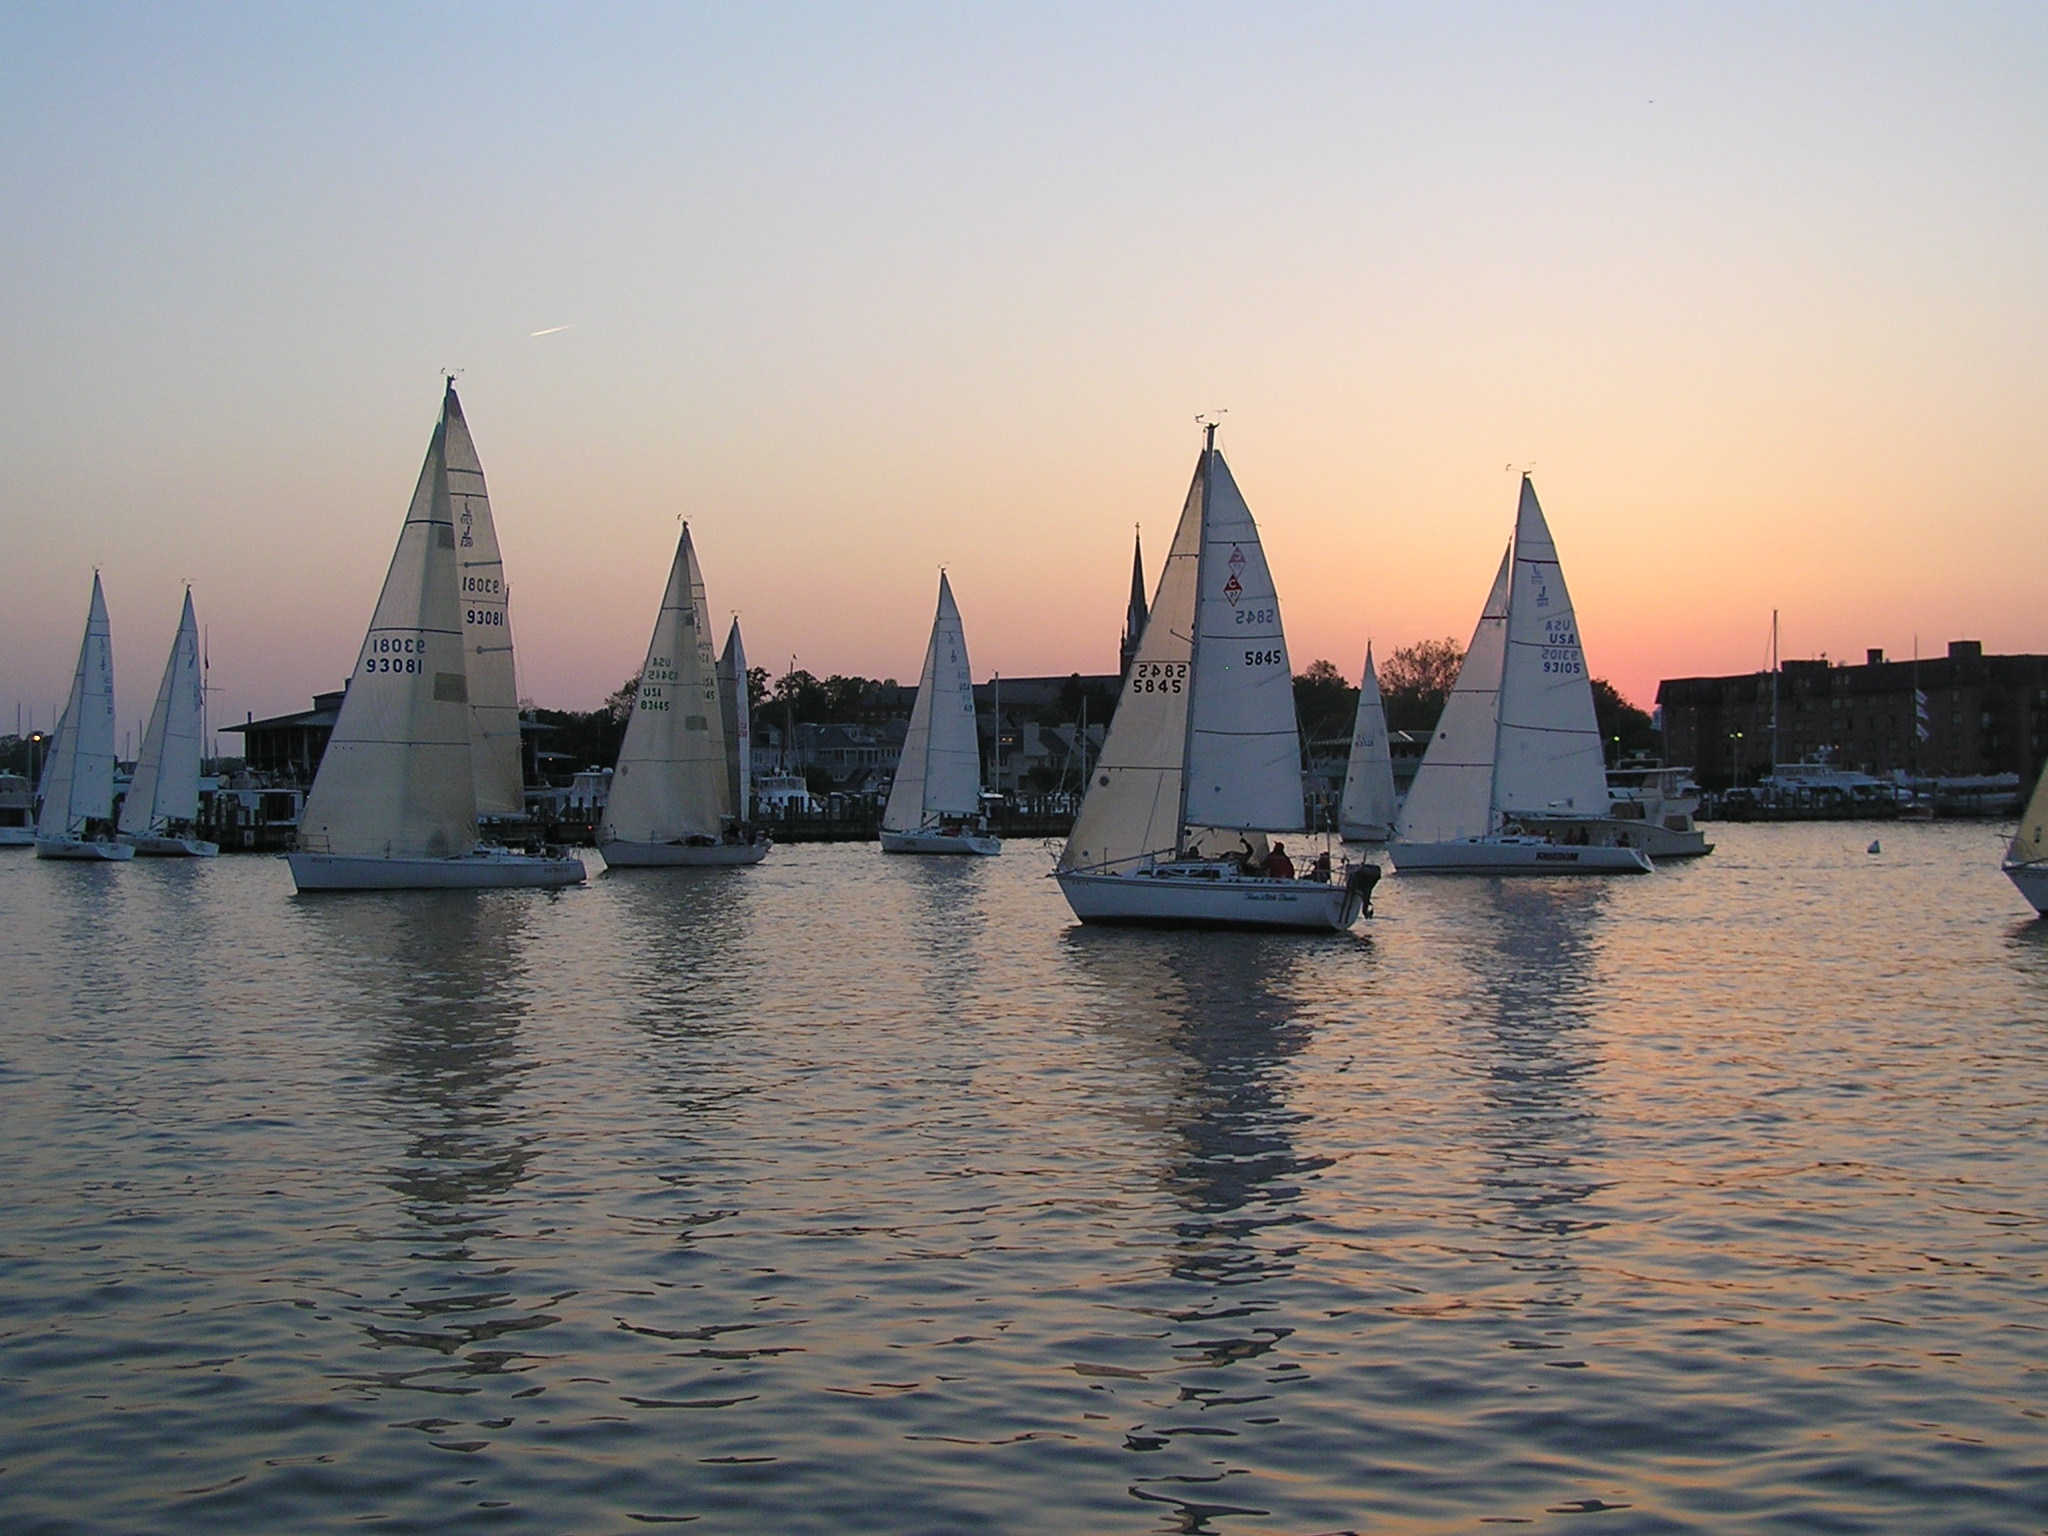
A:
x,y
1514,856
1659,842
2032,880
928,841
17,837
83,849
150,846
491,870
1222,901
1364,831
624,855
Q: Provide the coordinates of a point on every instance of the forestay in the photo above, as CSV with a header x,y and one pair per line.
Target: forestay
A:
x,y
1549,760
1244,744
1452,796
1131,813
486,625
671,776
735,714
397,779
165,789
939,774
78,783
1368,803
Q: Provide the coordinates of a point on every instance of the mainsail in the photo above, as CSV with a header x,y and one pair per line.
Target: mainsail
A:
x,y
1452,796
735,713
486,625
1367,809
397,779
78,783
1244,743
165,789
671,778
1548,761
939,774
1205,734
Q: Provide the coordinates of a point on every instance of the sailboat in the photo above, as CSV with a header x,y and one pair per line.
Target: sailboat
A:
x,y
935,804
1366,813
1517,743
736,714
394,804
1203,757
161,814
671,801
2026,860
77,816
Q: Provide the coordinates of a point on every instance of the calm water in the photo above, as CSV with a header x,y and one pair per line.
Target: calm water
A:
x,y
853,1194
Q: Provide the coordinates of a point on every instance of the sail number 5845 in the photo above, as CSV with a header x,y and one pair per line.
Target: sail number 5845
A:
x,y
1263,658
1159,677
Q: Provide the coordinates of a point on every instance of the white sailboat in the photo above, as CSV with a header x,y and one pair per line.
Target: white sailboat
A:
x,y
2026,860
161,814
736,714
486,625
1517,744
394,805
1366,813
77,816
1203,757
935,804
671,799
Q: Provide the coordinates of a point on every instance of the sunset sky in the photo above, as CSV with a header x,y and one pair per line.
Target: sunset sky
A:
x,y
1760,292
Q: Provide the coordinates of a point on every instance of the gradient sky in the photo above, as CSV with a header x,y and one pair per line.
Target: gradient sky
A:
x,y
1761,292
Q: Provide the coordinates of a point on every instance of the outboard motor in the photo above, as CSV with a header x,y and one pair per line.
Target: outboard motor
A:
x,y
1364,876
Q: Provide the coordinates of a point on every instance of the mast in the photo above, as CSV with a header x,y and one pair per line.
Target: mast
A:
x,y
1187,743
1493,816
1774,690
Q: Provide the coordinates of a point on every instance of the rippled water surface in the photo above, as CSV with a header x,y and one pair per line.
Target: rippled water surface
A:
x,y
864,1194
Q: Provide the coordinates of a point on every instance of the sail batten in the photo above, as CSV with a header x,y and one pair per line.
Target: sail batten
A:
x,y
671,780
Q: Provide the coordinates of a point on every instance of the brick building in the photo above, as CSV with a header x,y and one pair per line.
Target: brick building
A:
x,y
1984,715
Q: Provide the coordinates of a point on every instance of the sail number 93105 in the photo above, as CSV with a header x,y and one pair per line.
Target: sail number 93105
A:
x,y
1159,677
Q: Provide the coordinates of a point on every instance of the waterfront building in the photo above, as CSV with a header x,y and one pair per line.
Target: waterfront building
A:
x,y
1961,715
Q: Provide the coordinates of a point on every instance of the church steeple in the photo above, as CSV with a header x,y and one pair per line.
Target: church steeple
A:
x,y
1134,616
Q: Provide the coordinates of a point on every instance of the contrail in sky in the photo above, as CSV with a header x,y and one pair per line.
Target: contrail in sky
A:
x,y
551,330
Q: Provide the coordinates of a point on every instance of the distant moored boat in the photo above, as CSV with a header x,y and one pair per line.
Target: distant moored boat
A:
x,y
77,817
935,804
160,817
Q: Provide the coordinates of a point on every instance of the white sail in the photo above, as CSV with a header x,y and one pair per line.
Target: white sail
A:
x,y
165,790
735,713
671,777
1244,743
2031,841
1131,813
78,784
486,625
1452,796
1367,809
1548,761
397,780
940,771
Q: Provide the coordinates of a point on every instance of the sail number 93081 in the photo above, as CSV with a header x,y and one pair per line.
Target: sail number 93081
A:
x,y
1159,677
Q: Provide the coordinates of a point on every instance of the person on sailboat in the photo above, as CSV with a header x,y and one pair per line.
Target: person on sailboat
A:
x,y
1278,865
1320,870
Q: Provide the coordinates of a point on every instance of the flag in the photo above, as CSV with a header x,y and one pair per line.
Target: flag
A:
x,y
1920,714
